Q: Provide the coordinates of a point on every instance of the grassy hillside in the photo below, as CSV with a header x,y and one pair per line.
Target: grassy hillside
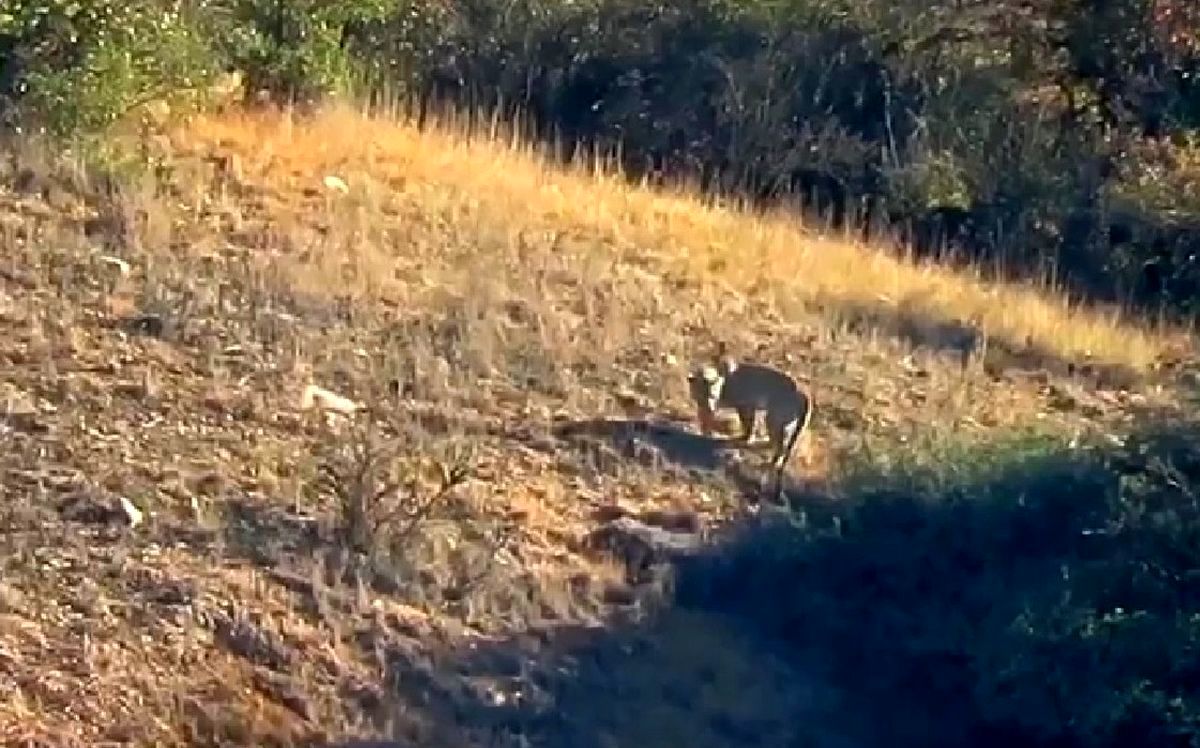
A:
x,y
503,316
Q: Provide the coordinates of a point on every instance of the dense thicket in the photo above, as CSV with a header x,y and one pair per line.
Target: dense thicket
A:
x,y
1055,136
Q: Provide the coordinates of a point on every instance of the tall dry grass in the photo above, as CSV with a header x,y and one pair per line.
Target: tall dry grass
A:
x,y
421,196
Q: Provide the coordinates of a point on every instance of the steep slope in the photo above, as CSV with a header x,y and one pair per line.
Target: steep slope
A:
x,y
528,323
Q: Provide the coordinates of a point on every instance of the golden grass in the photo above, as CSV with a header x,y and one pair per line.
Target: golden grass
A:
x,y
501,186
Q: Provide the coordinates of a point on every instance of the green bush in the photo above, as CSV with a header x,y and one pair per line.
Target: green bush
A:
x,y
302,50
78,66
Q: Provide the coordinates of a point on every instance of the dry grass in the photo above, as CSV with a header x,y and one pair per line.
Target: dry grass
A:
x,y
503,190
520,311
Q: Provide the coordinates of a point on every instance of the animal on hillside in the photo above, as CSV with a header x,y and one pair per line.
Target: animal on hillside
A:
x,y
748,388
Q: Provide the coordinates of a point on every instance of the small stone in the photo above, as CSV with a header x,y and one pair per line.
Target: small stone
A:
x,y
336,184
132,514
121,266
322,399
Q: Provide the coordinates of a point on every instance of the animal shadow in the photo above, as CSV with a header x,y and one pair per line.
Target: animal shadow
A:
x,y
645,442
602,443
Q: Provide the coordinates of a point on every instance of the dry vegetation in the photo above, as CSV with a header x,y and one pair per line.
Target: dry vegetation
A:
x,y
493,311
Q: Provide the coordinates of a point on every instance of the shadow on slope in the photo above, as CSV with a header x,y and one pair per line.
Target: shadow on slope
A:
x,y
1037,596
678,678
649,443
1034,593
1041,595
962,340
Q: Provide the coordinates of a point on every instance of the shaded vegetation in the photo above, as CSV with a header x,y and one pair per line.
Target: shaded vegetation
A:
x,y
1046,597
